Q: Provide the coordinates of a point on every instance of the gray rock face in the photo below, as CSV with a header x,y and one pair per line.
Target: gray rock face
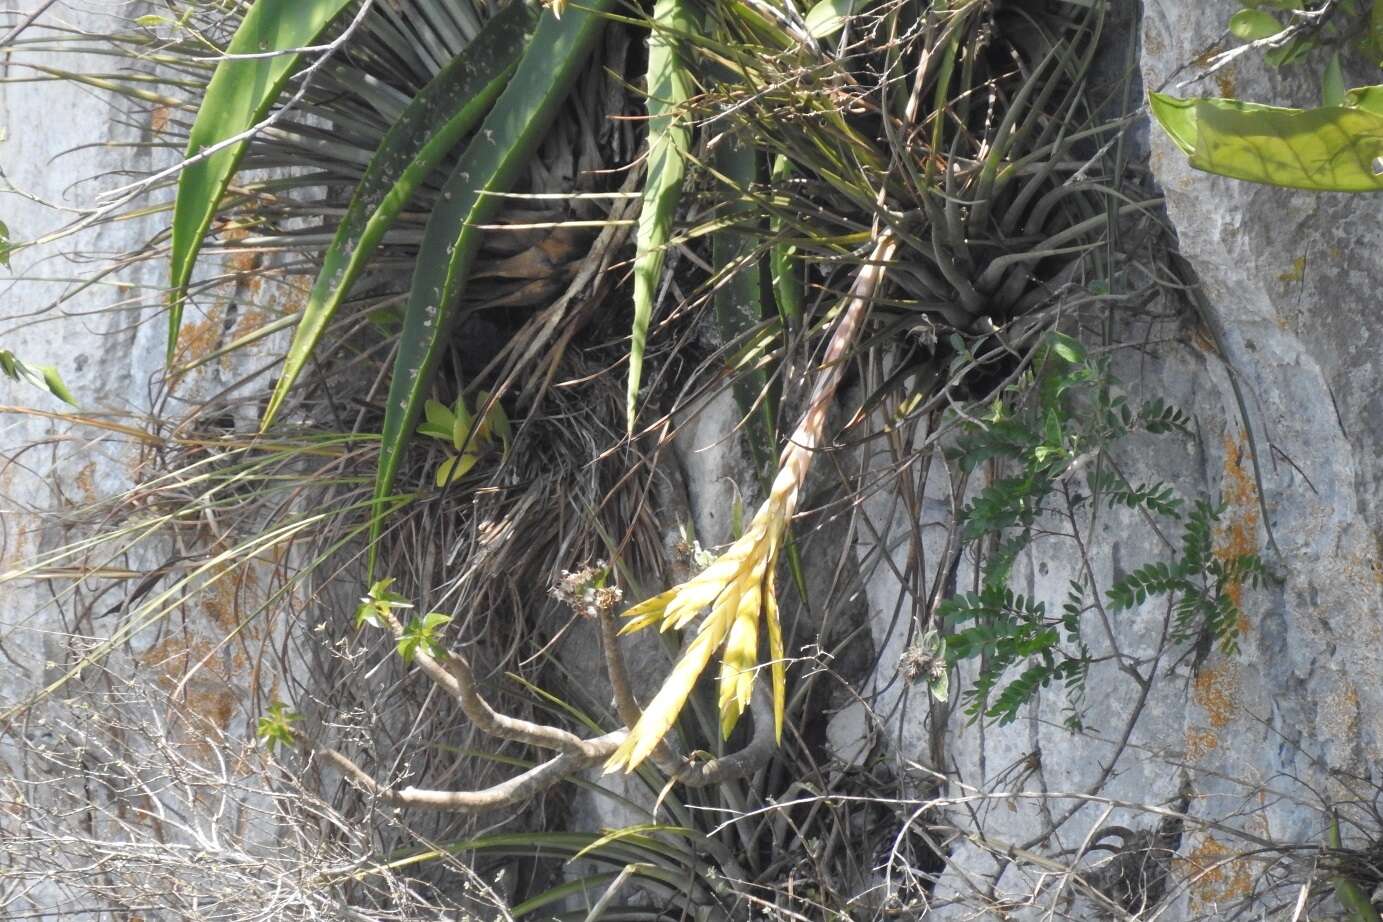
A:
x,y
1253,746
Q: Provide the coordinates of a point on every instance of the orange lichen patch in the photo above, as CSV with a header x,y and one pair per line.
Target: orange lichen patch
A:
x,y
251,319
158,118
1238,531
199,338
1225,81
236,588
208,698
1214,688
1200,741
1213,875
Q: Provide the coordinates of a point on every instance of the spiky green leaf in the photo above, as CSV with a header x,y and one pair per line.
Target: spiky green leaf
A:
x,y
669,138
431,125
493,160
239,95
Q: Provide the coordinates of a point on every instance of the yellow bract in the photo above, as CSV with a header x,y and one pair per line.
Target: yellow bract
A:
x,y
738,587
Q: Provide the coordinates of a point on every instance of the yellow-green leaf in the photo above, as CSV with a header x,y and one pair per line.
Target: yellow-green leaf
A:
x,y
461,422
239,95
454,468
439,421
1334,149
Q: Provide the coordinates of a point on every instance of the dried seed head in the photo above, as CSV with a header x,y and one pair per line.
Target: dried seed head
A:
x,y
585,591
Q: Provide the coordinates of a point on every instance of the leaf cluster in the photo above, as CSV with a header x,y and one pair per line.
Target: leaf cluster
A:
x,y
1060,421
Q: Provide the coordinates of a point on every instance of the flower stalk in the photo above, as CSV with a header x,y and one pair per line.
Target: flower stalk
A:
x,y
738,587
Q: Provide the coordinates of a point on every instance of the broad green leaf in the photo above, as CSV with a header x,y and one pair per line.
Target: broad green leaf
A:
x,y
6,248
1333,83
239,95
431,125
669,138
1329,149
1251,25
828,17
1070,350
1368,98
493,160
378,603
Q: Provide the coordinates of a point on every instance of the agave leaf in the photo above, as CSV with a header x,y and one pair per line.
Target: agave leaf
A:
x,y
240,93
431,125
669,139
1331,149
491,163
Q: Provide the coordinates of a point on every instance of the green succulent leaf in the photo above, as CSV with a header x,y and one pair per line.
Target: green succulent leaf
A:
x,y
239,95
492,161
1334,149
669,139
439,422
739,304
431,125
6,247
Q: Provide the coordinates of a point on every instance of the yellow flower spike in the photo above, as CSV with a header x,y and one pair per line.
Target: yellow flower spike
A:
x,y
742,579
778,666
654,606
737,666
662,711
